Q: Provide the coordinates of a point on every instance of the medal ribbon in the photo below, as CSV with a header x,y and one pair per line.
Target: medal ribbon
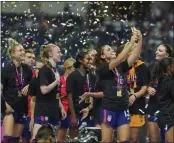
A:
x,y
87,81
20,78
117,77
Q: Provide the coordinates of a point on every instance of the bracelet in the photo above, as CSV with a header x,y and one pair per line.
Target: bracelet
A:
x,y
135,96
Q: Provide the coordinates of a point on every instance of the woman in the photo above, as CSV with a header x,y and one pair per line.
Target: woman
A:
x,y
97,101
69,68
114,113
91,95
164,72
162,52
78,82
137,80
96,96
15,79
47,106
32,94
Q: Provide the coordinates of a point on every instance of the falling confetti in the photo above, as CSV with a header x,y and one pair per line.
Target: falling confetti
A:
x,y
76,25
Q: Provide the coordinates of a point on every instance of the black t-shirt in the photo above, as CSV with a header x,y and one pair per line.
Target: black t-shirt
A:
x,y
112,100
32,87
97,102
46,105
76,83
165,95
141,73
153,103
11,86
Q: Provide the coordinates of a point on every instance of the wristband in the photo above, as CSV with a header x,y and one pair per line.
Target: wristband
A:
x,y
135,96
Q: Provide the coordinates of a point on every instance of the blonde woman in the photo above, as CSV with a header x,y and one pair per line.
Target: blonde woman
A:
x,y
15,78
47,106
65,124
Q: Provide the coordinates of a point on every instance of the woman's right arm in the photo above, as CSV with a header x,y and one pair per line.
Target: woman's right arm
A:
x,y
131,51
136,50
122,56
47,88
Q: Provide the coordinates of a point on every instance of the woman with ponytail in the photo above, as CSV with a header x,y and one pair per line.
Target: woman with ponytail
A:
x,y
47,106
163,51
164,72
79,82
115,103
15,78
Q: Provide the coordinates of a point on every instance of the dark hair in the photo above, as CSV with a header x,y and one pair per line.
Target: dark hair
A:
x,y
80,56
161,67
169,50
99,60
45,132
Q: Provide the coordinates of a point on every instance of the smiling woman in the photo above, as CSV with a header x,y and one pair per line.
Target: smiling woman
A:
x,y
47,85
16,50
164,50
15,78
79,82
165,95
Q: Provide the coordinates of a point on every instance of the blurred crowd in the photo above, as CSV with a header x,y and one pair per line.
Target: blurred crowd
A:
x,y
72,33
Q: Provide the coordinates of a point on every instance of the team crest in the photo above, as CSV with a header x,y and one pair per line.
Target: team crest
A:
x,y
109,118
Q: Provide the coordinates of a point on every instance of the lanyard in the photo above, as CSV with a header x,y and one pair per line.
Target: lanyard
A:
x,y
20,78
88,83
117,77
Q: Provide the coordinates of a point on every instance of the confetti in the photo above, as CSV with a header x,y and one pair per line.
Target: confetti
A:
x,y
77,22
152,24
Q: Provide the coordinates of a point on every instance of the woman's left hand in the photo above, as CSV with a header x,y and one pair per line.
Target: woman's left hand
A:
x,y
131,100
64,114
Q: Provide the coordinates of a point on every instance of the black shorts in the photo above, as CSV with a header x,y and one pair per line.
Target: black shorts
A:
x,y
165,122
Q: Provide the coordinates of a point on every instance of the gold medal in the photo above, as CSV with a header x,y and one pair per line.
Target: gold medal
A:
x,y
87,100
131,91
19,93
119,93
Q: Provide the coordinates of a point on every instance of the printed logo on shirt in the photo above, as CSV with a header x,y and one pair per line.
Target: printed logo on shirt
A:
x,y
109,118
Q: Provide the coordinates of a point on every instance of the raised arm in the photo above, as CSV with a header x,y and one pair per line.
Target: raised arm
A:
x,y
136,50
122,56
